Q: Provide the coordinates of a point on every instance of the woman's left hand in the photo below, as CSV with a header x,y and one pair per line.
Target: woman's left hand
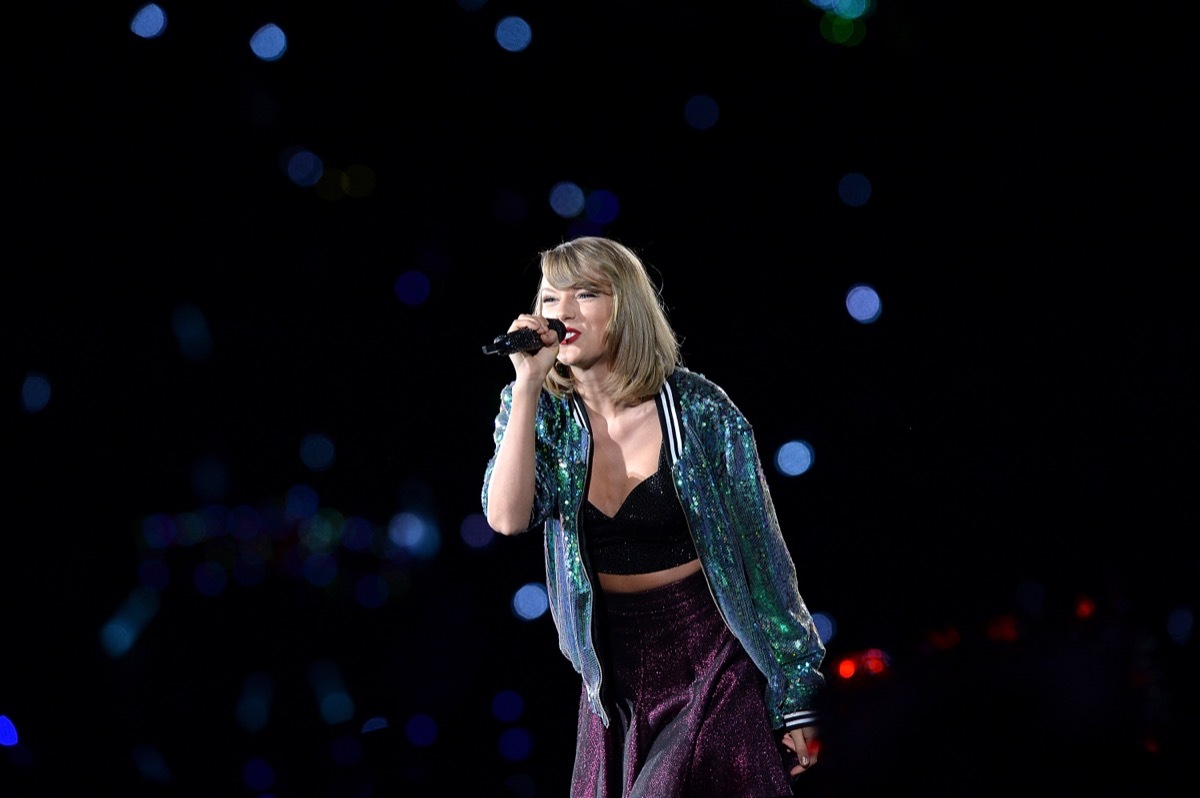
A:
x,y
805,743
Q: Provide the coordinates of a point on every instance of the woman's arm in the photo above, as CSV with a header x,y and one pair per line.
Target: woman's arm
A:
x,y
509,488
510,481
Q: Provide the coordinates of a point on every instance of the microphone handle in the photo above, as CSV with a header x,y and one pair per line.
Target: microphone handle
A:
x,y
523,340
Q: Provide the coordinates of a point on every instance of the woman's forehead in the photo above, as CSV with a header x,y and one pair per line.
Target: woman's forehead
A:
x,y
565,282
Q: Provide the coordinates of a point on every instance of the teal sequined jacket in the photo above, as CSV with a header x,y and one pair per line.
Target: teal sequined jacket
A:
x,y
719,479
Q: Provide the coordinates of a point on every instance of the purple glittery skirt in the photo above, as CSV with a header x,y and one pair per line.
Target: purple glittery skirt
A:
x,y
685,703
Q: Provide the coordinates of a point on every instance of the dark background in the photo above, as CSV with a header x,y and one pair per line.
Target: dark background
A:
x,y
1012,439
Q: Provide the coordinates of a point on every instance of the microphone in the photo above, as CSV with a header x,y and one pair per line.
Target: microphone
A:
x,y
523,340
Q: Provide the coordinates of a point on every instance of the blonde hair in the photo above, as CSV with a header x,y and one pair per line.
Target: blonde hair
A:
x,y
643,348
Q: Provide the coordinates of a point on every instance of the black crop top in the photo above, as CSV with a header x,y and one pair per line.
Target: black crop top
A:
x,y
648,533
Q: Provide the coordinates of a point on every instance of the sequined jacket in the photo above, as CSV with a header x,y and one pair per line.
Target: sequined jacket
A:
x,y
719,480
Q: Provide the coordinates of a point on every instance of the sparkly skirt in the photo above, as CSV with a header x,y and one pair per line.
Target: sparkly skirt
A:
x,y
687,717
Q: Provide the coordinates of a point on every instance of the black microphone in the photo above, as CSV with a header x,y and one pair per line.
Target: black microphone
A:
x,y
523,340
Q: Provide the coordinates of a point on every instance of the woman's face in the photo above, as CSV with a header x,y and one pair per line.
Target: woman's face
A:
x,y
585,312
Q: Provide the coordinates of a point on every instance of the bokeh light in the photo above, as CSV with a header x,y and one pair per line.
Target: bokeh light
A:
x,y
863,304
421,730
413,287
269,42
530,601
794,457
701,112
854,189
513,34
149,21
35,393
567,199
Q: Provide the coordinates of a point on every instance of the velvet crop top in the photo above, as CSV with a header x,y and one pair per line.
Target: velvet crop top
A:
x,y
648,533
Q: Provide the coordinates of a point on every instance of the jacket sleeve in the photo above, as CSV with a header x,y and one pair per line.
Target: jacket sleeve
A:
x,y
544,482
783,619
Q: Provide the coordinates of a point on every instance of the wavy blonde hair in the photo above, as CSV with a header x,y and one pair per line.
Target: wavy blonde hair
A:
x,y
643,348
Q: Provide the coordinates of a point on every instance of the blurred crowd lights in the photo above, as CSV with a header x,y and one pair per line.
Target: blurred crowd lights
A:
x,y
867,663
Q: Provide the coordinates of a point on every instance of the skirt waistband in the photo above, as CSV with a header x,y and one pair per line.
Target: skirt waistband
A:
x,y
675,599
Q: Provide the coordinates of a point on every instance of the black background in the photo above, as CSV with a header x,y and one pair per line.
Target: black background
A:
x,y
1015,432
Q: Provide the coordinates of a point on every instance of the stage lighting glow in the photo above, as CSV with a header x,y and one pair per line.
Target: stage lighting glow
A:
x,y
567,199
269,42
530,601
8,731
374,724
151,765
701,112
1180,623
794,458
421,730
35,393
192,333
854,189
300,502
158,530
863,304
475,531
826,626
601,206
258,775
125,625
254,702
412,287
513,34
414,534
149,22
317,451
515,744
333,701
303,167
507,706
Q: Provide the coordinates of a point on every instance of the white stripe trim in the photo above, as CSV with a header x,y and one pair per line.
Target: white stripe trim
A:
x,y
674,436
577,409
808,715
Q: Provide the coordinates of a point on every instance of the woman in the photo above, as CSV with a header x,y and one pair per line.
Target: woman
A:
x,y
670,584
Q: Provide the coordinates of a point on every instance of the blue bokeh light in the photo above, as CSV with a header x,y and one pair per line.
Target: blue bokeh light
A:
x,y
567,199
421,730
507,706
513,34
412,287
701,112
854,189
269,42
515,744
317,451
35,393
794,458
149,22
530,601
863,304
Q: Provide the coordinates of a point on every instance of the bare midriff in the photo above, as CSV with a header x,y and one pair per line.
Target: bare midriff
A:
x,y
635,583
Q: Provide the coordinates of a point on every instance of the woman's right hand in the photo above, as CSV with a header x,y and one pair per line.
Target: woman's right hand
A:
x,y
534,366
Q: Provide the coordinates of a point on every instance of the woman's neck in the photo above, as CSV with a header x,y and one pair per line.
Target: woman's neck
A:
x,y
590,385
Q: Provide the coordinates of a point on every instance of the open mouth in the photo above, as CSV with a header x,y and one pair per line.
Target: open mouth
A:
x,y
571,336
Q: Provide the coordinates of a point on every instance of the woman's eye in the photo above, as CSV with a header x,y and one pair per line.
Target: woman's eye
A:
x,y
546,300
585,295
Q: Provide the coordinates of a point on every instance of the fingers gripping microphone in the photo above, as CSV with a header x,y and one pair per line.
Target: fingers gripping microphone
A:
x,y
523,340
